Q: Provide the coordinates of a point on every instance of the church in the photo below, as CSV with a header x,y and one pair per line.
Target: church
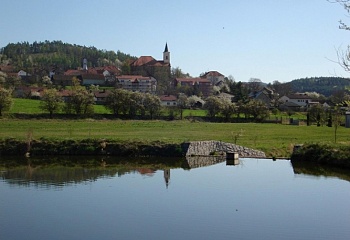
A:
x,y
147,66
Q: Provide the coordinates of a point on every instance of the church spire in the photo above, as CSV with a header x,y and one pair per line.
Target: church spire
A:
x,y
166,54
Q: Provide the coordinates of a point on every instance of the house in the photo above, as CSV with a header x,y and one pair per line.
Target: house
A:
x,y
65,94
101,96
137,83
62,80
299,99
28,92
93,79
203,85
168,100
265,95
214,77
149,67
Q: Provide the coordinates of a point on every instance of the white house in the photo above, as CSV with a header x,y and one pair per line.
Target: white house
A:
x,y
168,100
137,83
299,99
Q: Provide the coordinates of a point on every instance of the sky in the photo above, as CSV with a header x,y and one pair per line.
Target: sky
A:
x,y
270,40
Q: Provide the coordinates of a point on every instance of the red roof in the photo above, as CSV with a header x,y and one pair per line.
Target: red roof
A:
x,y
168,98
6,68
133,77
213,74
149,61
101,94
143,60
193,80
65,93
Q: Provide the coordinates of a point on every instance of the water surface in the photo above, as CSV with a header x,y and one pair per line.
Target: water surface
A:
x,y
257,199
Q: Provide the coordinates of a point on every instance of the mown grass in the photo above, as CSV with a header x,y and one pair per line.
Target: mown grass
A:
x,y
276,140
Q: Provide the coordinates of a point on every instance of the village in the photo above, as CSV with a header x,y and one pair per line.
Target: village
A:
x,y
148,75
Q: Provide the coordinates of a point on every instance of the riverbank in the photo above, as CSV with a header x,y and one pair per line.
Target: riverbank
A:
x,y
275,140
95,147
337,156
92,147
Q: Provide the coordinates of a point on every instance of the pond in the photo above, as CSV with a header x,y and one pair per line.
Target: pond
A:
x,y
172,199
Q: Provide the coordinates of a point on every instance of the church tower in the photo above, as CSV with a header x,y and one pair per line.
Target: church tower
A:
x,y
166,54
85,64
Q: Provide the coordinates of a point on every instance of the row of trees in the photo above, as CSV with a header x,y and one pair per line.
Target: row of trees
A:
x,y
119,101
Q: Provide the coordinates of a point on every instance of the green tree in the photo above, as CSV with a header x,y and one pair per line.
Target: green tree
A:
x,y
152,105
5,100
337,120
182,103
213,106
317,114
227,109
257,110
80,102
51,101
116,101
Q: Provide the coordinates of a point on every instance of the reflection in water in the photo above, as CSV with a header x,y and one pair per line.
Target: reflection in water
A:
x,y
319,170
62,171
260,199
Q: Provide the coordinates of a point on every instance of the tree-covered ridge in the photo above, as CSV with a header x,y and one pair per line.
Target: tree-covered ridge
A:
x,y
43,56
323,85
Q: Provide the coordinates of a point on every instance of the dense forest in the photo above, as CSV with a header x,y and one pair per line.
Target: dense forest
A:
x,y
40,57
323,85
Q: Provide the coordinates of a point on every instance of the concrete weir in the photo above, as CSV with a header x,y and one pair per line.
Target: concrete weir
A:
x,y
209,148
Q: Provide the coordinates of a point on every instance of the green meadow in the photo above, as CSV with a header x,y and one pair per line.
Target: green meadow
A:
x,y
276,140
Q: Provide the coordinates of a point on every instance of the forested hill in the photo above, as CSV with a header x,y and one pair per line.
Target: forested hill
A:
x,y
40,56
323,85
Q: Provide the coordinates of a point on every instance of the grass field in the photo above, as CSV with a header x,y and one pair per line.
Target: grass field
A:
x,y
30,106
274,139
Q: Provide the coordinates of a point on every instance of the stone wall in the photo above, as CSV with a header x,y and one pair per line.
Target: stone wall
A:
x,y
207,148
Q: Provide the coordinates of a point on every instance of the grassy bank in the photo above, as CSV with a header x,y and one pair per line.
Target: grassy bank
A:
x,y
330,154
275,140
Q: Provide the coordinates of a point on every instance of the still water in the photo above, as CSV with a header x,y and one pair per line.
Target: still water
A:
x,y
185,199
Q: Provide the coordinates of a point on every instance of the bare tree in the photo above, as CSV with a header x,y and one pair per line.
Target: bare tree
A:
x,y
344,55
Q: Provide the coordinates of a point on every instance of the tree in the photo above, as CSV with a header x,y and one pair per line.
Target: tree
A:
x,y
152,104
51,101
317,114
193,101
227,109
80,101
125,102
344,56
257,110
336,120
254,85
5,100
114,101
177,73
213,106
46,81
3,77
182,103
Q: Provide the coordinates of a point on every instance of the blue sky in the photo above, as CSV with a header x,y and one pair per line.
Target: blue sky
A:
x,y
266,39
